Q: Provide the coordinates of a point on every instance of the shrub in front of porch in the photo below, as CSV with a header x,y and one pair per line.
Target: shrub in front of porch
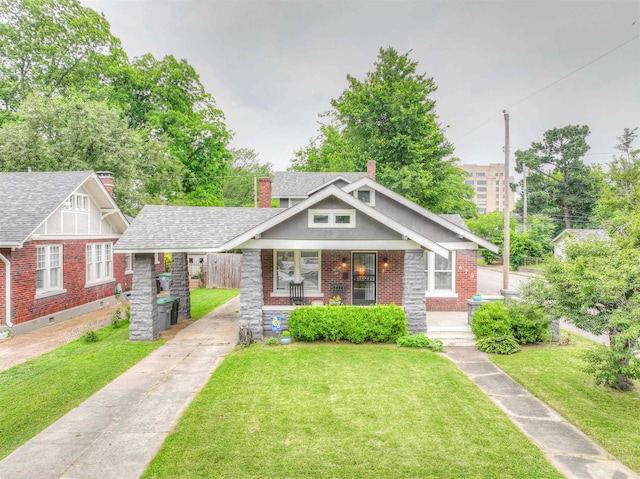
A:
x,y
379,323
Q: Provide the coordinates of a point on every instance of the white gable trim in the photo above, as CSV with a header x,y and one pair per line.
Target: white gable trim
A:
x,y
423,211
333,190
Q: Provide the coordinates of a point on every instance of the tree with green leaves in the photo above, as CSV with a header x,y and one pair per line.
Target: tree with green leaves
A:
x,y
245,167
559,184
390,117
597,288
166,97
61,134
53,46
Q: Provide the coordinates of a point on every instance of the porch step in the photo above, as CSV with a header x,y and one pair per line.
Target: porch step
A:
x,y
453,335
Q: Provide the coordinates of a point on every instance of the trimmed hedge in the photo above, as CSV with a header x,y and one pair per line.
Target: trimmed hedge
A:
x,y
491,319
357,324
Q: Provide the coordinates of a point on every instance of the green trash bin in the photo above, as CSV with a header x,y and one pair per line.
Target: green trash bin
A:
x,y
165,305
174,309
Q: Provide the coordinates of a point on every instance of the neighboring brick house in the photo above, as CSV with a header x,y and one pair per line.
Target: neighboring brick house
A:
x,y
338,232
57,233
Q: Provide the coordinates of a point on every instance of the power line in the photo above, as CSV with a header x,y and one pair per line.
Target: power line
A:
x,y
480,125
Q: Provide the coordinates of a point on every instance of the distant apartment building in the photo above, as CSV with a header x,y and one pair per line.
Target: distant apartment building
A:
x,y
490,186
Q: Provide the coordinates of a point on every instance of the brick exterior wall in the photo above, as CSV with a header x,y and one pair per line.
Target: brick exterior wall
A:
x,y
389,278
25,307
466,283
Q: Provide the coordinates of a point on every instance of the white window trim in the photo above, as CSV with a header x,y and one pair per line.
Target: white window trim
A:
x,y
47,290
332,213
128,270
372,196
103,278
297,273
430,268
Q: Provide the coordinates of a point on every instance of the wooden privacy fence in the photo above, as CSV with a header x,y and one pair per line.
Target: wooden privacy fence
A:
x,y
222,270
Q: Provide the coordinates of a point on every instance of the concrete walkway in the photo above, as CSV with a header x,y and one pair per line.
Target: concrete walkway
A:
x,y
568,449
117,431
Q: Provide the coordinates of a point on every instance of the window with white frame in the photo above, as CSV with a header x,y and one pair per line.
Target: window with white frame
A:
x,y
79,202
296,266
366,196
48,268
99,262
128,263
332,218
439,273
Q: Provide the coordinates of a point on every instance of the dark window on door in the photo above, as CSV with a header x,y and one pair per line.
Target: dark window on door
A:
x,y
364,278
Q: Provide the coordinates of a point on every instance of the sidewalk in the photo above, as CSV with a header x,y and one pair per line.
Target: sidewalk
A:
x,y
568,449
118,431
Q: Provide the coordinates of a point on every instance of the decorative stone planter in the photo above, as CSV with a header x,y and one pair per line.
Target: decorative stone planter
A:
x,y
285,340
476,297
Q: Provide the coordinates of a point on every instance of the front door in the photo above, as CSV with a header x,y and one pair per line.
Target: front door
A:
x,y
364,278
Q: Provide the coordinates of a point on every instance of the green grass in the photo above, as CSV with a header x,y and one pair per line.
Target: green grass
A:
x,y
205,300
554,374
36,393
340,411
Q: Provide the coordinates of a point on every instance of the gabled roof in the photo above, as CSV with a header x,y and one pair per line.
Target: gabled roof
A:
x,y
442,220
582,234
299,184
196,229
28,199
355,203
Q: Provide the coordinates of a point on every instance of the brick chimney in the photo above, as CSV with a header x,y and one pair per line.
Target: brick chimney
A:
x,y
264,192
107,180
371,169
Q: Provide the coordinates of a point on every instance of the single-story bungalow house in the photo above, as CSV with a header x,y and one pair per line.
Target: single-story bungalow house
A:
x,y
338,234
57,236
572,234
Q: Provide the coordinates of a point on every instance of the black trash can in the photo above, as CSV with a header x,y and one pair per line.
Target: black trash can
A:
x,y
174,309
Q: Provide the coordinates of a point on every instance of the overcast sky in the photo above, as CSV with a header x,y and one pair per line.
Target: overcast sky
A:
x,y
274,66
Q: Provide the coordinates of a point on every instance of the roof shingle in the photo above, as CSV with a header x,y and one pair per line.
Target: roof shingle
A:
x,y
288,184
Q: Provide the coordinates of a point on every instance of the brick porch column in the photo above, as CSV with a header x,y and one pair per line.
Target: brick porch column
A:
x,y
413,291
251,292
144,308
180,283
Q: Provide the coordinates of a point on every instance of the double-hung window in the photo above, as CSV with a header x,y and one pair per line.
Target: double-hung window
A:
x,y
99,262
128,263
440,273
48,268
296,266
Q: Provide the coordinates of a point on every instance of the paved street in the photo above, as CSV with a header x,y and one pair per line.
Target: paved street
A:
x,y
490,279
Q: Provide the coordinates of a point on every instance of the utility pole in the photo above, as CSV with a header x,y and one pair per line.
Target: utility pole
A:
x,y
524,197
507,216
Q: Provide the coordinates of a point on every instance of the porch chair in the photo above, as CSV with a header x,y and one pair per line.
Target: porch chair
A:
x,y
296,293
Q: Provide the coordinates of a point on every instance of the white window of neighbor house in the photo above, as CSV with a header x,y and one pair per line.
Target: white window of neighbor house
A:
x,y
99,258
48,268
296,266
128,263
439,273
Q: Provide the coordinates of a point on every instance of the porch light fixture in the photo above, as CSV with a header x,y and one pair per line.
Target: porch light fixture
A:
x,y
344,262
385,262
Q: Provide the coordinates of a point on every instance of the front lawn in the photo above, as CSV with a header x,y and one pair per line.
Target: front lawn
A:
x,y
205,300
339,411
554,374
37,393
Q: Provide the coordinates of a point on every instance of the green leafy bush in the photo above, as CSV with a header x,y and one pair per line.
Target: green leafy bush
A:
x,y
491,319
613,367
286,334
498,344
529,323
379,323
90,336
419,341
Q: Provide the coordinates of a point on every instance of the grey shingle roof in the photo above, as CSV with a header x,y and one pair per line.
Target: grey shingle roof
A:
x,y
456,219
28,198
298,183
582,234
189,228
